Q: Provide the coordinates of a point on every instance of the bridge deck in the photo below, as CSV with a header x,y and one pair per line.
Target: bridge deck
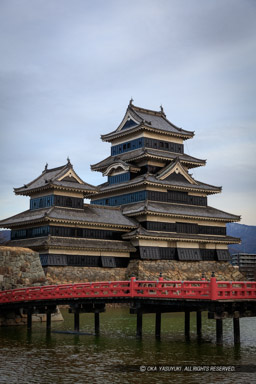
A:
x,y
167,295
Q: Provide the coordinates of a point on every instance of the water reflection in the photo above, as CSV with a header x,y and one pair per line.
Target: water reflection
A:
x,y
43,357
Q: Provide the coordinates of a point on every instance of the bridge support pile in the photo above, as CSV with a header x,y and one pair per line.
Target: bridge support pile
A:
x,y
95,308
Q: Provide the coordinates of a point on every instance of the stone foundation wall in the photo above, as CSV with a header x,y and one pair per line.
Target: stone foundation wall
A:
x,y
20,267
145,270
183,270
67,275
18,318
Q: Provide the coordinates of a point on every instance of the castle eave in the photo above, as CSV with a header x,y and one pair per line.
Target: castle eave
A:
x,y
151,154
91,215
150,180
52,187
148,212
54,242
179,211
143,127
164,236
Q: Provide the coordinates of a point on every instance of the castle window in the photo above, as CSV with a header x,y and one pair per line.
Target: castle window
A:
x,y
68,202
41,202
123,199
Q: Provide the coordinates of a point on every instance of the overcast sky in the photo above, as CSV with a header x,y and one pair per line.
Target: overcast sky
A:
x,y
69,68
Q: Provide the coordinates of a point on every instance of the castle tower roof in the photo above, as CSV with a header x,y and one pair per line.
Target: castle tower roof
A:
x,y
140,119
63,177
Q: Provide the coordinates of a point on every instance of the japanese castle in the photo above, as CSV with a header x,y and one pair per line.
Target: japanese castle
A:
x,y
149,208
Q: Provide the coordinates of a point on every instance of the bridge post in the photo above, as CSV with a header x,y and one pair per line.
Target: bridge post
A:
x,y
219,331
132,282
76,320
29,320
187,324
213,287
199,323
139,324
97,323
236,328
48,320
158,325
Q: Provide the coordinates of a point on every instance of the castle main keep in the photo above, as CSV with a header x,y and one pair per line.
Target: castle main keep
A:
x,y
149,208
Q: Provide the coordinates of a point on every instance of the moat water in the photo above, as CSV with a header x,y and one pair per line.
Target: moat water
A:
x,y
116,355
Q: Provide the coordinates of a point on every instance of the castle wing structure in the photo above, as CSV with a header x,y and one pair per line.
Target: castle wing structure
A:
x,y
149,179
64,230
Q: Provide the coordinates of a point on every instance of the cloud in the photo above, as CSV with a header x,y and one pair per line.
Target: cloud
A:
x,y
67,72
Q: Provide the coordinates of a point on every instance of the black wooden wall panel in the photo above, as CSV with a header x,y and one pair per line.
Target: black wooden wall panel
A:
x,y
208,254
189,254
85,233
177,197
83,261
184,228
223,255
108,262
70,202
168,253
150,253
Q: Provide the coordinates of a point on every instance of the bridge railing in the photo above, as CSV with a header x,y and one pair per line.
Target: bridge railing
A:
x,y
165,289
240,290
67,291
172,289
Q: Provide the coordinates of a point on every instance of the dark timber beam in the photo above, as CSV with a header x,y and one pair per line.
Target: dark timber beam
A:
x,y
219,331
199,323
236,328
29,320
48,320
187,324
158,325
97,323
76,321
139,325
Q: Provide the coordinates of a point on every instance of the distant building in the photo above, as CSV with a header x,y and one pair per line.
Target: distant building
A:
x,y
150,207
246,263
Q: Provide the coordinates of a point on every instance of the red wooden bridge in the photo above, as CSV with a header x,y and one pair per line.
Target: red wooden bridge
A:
x,y
221,299
160,289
